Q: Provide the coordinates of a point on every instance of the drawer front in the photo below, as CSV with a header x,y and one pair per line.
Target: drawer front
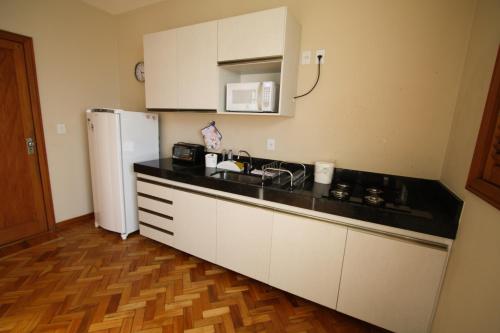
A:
x,y
155,205
158,191
155,220
157,235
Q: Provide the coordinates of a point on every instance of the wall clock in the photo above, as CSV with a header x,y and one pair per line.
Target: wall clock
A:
x,y
139,71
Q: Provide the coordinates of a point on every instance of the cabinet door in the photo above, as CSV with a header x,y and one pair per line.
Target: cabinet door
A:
x,y
255,35
197,66
194,224
244,239
306,257
160,66
389,282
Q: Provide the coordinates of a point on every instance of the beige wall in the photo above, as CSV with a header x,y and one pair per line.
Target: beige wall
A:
x,y
75,53
387,92
470,301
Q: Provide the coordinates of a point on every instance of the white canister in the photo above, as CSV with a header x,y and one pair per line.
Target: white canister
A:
x,y
210,160
323,172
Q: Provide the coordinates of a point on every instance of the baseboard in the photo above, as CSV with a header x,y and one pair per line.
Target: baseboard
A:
x,y
23,244
79,219
15,247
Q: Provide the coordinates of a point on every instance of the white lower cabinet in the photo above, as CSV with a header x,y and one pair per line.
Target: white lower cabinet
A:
x,y
306,257
194,224
390,283
244,239
155,211
157,235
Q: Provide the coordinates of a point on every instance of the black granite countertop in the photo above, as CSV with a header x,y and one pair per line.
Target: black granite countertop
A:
x,y
434,209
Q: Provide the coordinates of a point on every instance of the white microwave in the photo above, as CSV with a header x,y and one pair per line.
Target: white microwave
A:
x,y
252,96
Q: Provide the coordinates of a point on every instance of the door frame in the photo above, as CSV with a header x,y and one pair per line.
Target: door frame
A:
x,y
29,58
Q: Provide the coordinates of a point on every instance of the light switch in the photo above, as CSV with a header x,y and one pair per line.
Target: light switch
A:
x,y
61,128
271,144
306,57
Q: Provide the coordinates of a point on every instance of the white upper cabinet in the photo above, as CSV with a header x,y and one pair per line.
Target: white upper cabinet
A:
x,y
306,257
188,68
160,66
181,68
389,282
244,239
255,35
260,46
197,66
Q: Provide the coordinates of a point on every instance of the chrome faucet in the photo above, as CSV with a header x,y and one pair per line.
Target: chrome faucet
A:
x,y
230,155
223,153
249,157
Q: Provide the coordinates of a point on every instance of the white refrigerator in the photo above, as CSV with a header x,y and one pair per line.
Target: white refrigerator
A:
x,y
118,139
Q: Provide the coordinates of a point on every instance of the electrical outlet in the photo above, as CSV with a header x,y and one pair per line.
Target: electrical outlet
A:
x,y
306,57
322,53
61,129
271,144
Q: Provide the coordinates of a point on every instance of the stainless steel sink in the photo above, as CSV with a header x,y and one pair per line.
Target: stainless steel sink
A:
x,y
238,177
282,180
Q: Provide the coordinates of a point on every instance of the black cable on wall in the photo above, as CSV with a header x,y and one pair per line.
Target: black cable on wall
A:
x,y
317,79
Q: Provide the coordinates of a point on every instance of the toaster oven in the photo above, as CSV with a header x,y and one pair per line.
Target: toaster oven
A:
x,y
188,152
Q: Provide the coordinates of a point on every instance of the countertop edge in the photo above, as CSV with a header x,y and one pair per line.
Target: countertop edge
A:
x,y
335,219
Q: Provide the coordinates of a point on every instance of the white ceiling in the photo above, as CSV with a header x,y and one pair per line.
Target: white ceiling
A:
x,y
115,7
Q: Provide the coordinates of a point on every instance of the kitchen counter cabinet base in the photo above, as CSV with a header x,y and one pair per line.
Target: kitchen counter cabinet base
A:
x,y
195,224
244,239
306,257
390,283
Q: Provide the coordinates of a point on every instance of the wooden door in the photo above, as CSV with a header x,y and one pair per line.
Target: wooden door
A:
x,y
484,173
23,208
306,257
244,239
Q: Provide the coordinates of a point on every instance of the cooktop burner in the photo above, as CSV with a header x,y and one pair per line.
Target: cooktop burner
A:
x,y
373,197
341,191
374,200
394,199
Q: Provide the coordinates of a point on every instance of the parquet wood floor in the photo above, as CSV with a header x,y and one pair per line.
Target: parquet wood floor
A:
x,y
89,280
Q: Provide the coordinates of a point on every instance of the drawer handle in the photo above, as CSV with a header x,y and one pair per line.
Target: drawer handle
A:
x,y
156,213
144,180
152,197
156,228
